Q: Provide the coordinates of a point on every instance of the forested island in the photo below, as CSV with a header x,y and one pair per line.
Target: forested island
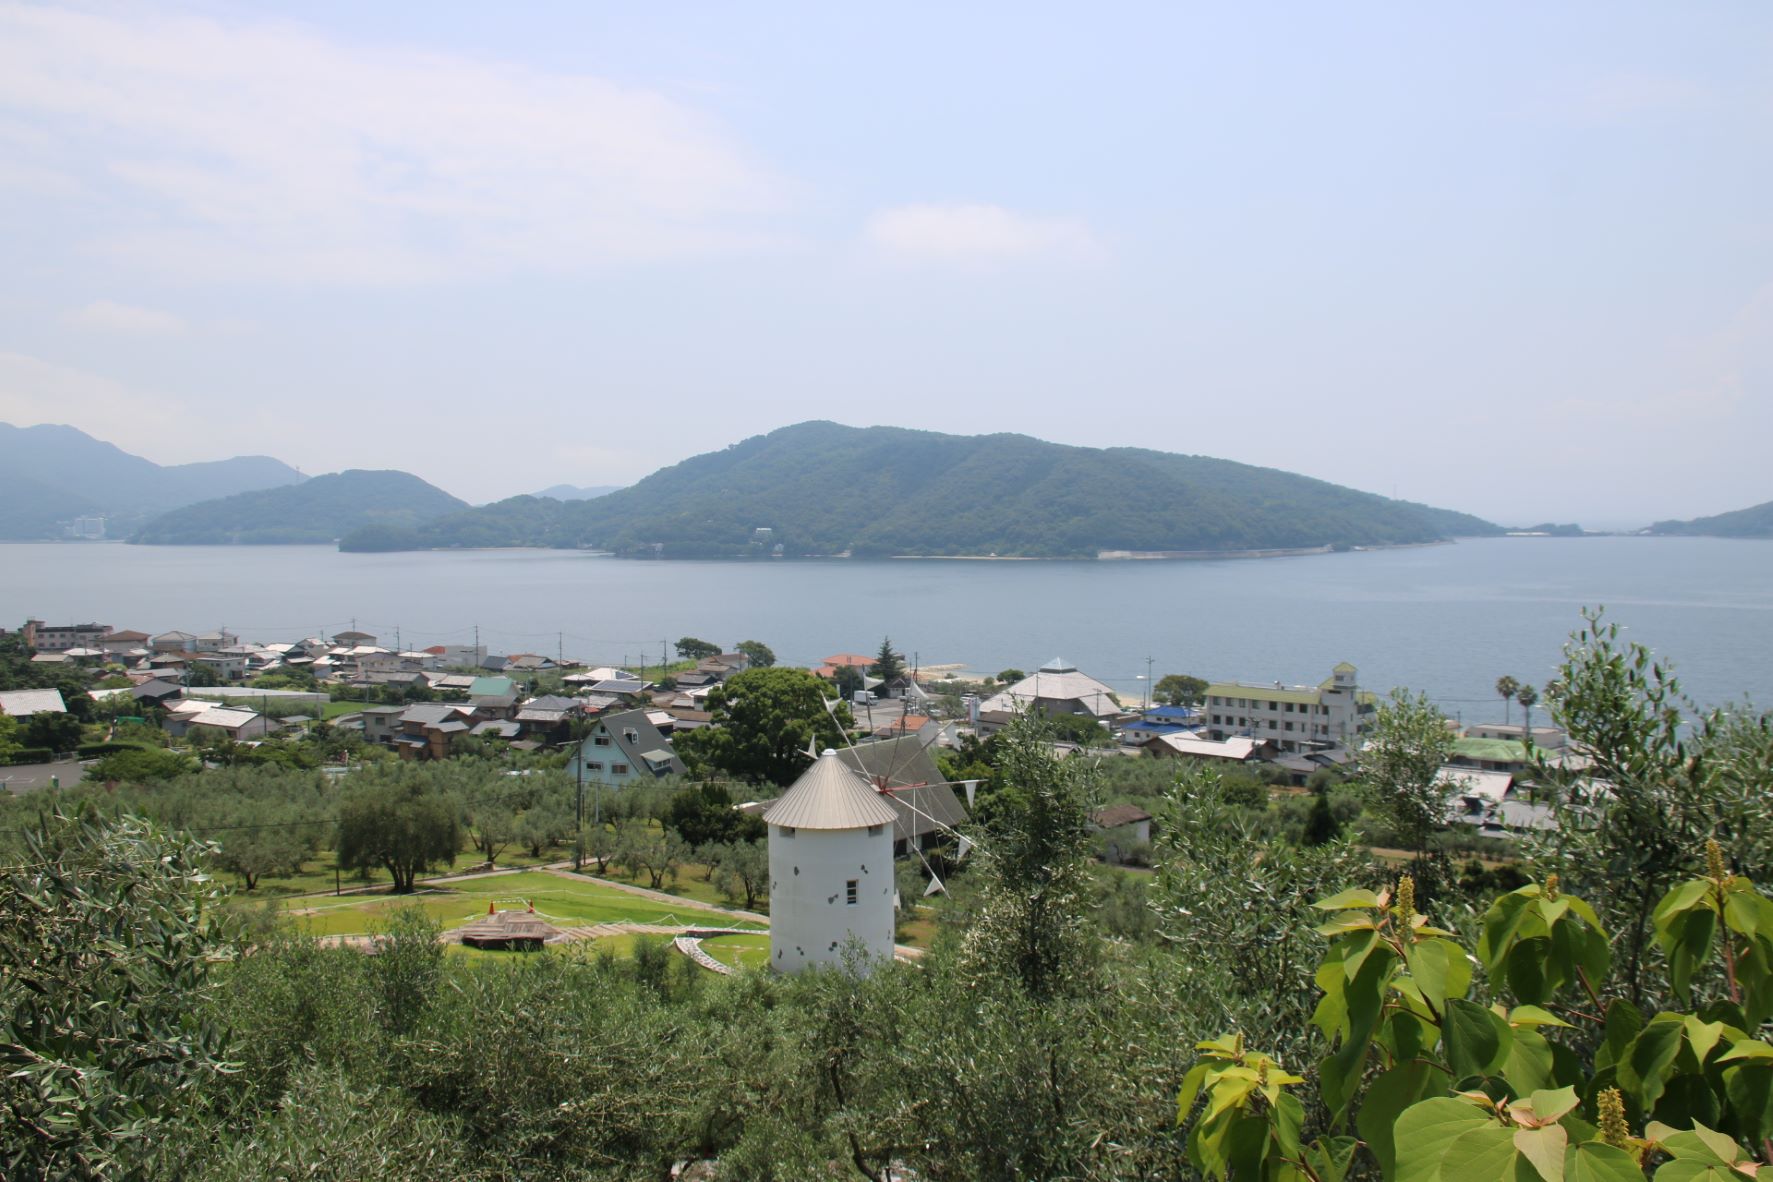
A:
x,y
320,510
1753,522
822,489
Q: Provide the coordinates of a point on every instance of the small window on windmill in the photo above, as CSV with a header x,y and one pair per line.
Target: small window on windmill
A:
x,y
876,830
787,832
850,892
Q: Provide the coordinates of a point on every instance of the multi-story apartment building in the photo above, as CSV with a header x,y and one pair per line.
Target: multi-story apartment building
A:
x,y
1294,717
59,638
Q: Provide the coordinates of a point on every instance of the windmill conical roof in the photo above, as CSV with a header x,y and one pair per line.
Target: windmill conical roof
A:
x,y
829,795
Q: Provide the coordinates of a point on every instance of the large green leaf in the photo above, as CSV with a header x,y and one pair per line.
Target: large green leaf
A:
x,y
1485,1154
1644,1068
1387,1099
1427,1130
1544,1148
1529,1064
1440,970
1476,1039
1597,1161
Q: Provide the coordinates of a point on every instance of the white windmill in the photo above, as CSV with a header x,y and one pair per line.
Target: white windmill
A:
x,y
831,868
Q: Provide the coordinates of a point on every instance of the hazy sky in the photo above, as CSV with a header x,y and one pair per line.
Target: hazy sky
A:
x,y
1515,259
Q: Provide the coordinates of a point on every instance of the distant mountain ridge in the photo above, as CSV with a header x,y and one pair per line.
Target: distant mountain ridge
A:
x,y
821,488
322,509
574,492
55,473
1753,522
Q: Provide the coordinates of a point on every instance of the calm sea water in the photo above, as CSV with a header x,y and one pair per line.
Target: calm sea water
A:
x,y
1448,620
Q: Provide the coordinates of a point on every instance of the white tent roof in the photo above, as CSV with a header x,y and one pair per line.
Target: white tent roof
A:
x,y
829,795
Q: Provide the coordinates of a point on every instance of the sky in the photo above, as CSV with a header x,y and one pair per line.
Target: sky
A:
x,y
1514,258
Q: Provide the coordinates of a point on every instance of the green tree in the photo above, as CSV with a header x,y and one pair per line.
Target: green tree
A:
x,y
1400,768
888,665
1508,687
757,652
57,732
407,966
259,837
847,679
691,649
108,1043
398,821
765,720
1321,824
139,765
744,872
1180,689
1031,918
1011,676
1625,845
1548,1081
703,814
1527,696
654,852
202,675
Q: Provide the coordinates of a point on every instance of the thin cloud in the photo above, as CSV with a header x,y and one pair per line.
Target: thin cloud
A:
x,y
111,316
977,234
256,150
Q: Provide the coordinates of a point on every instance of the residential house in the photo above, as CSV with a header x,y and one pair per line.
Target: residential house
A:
x,y
1159,720
1188,745
351,638
623,748
1125,827
215,642
921,726
237,724
125,642
428,730
496,697
156,690
1294,718
1548,737
173,642
926,811
225,666
381,724
26,702
547,718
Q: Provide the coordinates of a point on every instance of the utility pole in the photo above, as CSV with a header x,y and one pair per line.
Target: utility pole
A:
x,y
579,812
1148,693
560,648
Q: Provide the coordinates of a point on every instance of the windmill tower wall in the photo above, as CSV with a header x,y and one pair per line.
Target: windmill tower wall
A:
x,y
828,886
831,868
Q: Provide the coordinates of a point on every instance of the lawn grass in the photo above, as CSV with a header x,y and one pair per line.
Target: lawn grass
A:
x,y
335,709
741,952
918,931
564,902
689,884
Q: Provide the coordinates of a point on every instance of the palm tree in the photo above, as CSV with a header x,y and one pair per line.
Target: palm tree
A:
x,y
1526,695
1507,687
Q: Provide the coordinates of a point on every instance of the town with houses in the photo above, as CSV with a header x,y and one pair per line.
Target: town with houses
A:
x,y
421,704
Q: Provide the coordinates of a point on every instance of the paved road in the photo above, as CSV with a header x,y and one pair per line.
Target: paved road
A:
x,y
28,777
